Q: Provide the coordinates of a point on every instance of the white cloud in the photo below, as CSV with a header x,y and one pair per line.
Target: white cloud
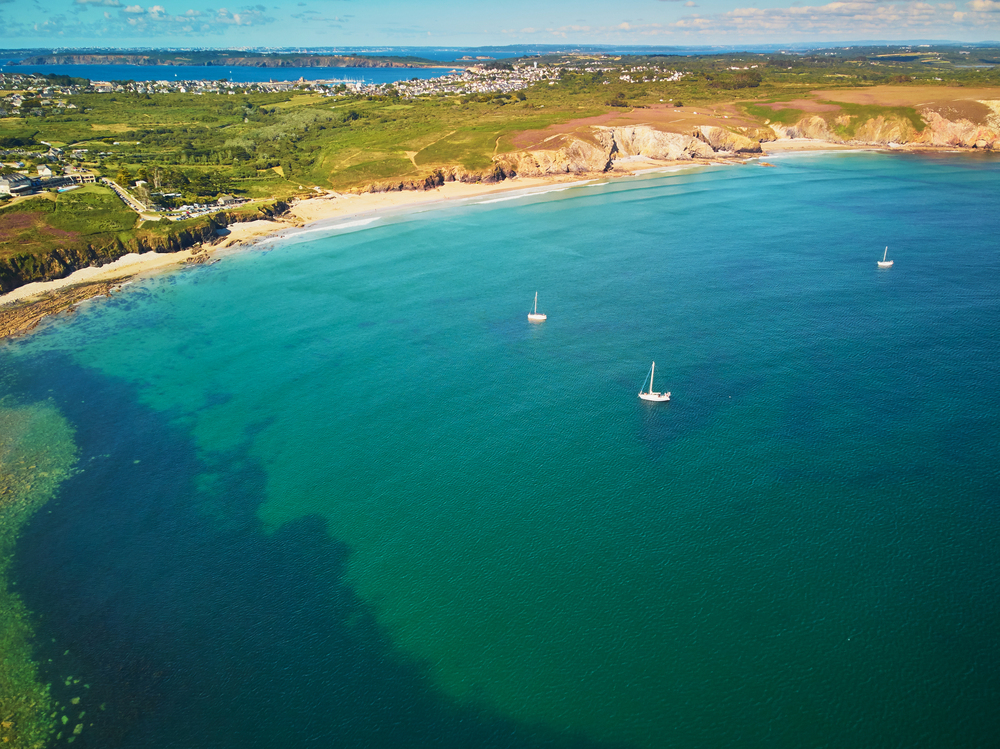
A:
x,y
135,21
985,6
851,18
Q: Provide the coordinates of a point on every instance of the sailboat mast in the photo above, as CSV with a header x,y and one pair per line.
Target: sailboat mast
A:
x,y
652,371
884,254
536,302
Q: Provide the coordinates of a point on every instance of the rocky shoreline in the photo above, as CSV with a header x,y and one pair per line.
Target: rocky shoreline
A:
x,y
18,270
600,151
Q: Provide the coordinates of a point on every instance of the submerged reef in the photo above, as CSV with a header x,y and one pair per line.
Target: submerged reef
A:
x,y
37,453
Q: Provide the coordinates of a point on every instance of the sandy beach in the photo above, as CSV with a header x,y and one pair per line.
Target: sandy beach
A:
x,y
328,207
786,145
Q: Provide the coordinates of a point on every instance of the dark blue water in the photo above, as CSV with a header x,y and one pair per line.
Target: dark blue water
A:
x,y
215,73
339,492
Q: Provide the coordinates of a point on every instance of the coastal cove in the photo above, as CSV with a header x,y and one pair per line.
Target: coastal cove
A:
x,y
20,308
328,208
338,466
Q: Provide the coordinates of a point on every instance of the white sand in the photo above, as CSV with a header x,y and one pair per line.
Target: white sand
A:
x,y
806,144
123,267
335,205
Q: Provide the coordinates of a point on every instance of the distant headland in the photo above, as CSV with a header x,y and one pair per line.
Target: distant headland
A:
x,y
228,59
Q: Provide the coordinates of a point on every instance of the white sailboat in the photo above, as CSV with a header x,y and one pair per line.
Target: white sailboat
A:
x,y
883,263
534,316
649,395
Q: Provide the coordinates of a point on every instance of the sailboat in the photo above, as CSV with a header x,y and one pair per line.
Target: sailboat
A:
x,y
883,263
534,316
649,395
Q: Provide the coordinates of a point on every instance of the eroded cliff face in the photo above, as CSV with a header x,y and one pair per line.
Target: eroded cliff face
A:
x,y
814,127
938,131
593,151
569,155
597,150
728,141
642,140
962,132
21,269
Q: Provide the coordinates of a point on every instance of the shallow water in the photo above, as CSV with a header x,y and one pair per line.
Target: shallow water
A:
x,y
338,490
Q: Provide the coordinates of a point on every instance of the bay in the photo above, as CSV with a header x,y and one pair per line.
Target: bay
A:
x,y
338,489
235,73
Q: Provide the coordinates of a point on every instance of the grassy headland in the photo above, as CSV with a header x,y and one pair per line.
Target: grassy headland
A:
x,y
191,147
272,146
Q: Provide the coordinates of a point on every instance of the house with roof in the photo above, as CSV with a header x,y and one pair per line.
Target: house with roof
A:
x,y
15,184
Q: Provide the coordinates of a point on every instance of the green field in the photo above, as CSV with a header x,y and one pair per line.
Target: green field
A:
x,y
194,147
279,144
47,222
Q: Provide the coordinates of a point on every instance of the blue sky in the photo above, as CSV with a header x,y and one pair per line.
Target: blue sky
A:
x,y
288,23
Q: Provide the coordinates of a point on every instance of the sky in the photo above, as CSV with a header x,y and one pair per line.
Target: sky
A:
x,y
471,23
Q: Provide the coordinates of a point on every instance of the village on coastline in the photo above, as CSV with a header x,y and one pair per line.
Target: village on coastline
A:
x,y
33,96
93,170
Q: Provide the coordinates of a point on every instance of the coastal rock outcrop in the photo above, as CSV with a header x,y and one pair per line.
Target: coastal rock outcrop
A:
x,y
19,269
643,140
721,139
587,152
435,179
575,156
883,131
938,131
814,127
597,150
962,133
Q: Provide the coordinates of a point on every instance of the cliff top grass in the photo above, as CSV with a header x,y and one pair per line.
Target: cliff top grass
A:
x,y
282,144
48,222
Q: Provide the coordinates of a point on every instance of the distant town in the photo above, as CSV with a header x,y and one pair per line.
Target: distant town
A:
x,y
34,96
32,93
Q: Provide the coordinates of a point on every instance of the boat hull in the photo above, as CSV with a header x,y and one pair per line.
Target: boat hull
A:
x,y
536,318
655,397
884,263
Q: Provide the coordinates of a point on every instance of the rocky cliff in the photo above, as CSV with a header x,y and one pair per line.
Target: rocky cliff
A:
x,y
938,131
588,152
727,141
20,269
962,132
597,151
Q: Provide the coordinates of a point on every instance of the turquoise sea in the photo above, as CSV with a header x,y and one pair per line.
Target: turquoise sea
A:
x,y
336,490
